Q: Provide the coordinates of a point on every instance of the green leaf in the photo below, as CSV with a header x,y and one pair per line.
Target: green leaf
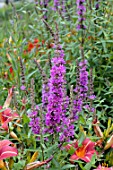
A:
x,y
71,150
88,166
68,166
81,139
25,118
81,119
30,75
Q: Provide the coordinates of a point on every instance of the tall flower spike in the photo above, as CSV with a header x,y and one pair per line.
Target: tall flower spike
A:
x,y
91,90
55,100
83,79
32,95
34,115
63,6
23,87
71,102
81,9
35,121
45,86
56,120
91,95
15,102
78,102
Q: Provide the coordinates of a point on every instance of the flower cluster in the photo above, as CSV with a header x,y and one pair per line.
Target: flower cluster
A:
x,y
45,93
55,100
81,88
45,86
55,119
77,103
81,9
63,6
91,95
35,122
56,4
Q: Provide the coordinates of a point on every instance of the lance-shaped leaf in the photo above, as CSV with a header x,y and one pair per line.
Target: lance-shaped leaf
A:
x,y
7,151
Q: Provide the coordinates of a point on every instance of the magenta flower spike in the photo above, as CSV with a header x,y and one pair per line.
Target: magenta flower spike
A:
x,y
55,119
81,9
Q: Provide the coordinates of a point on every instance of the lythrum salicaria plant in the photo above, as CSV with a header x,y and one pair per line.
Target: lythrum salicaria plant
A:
x,y
66,126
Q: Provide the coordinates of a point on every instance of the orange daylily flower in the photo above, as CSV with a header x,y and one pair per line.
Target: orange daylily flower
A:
x,y
84,152
7,151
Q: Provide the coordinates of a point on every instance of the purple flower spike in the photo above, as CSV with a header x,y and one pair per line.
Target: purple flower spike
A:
x,y
81,88
55,119
83,79
56,4
35,122
81,9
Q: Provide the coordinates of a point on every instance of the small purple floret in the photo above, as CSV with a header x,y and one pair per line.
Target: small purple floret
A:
x,y
23,87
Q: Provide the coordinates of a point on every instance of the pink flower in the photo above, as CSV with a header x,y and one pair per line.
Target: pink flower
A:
x,y
7,151
103,168
84,152
6,116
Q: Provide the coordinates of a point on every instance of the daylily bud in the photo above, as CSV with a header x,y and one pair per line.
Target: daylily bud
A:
x,y
34,157
14,136
10,40
2,165
9,98
109,143
109,128
98,130
37,164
